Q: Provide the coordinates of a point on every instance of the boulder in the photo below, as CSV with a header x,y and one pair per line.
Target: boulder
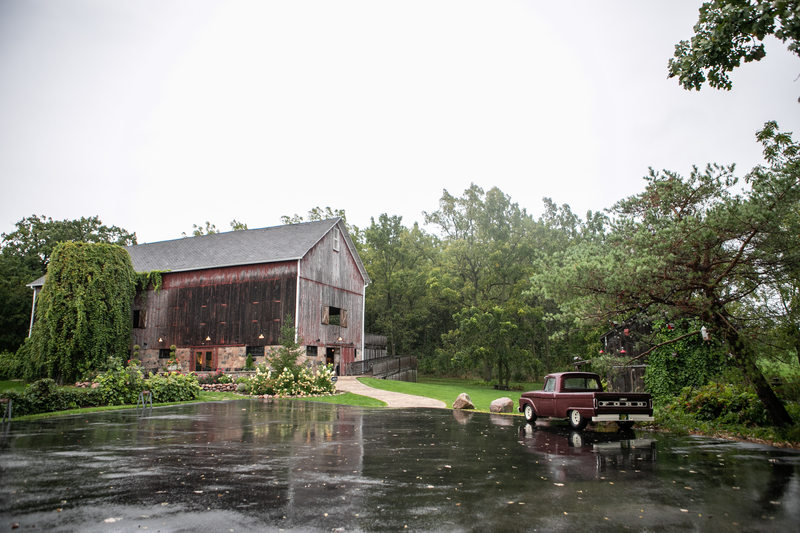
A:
x,y
502,405
463,402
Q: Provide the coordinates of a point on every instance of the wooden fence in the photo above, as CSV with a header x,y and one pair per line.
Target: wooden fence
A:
x,y
401,367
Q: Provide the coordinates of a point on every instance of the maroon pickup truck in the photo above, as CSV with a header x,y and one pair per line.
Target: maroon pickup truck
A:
x,y
579,397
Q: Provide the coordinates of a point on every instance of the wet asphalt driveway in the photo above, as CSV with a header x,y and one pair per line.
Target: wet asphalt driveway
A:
x,y
256,465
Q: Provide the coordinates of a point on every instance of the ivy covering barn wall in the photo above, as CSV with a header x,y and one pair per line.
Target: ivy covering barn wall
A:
x,y
83,314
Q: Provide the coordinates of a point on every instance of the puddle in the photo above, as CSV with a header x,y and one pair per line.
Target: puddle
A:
x,y
250,465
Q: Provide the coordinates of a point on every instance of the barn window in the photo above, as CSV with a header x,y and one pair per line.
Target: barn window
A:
x,y
163,353
138,318
336,237
255,351
334,316
311,351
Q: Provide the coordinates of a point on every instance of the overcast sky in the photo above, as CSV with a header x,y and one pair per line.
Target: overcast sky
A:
x,y
156,115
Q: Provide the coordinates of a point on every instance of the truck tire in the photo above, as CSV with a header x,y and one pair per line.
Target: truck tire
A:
x,y
530,414
576,420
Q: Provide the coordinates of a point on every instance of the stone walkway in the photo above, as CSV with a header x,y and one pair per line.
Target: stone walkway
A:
x,y
392,399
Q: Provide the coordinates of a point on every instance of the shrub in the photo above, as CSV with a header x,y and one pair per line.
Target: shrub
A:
x,y
121,385
262,382
44,396
173,387
725,403
323,383
40,396
285,383
689,362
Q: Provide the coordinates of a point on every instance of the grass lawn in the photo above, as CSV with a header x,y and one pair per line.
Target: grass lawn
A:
x,y
348,398
12,385
448,389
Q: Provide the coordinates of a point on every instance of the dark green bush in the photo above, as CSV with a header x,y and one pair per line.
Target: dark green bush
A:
x,y
44,396
725,403
690,362
121,385
173,387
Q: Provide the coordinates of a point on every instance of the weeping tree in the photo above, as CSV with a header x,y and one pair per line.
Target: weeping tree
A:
x,y
83,314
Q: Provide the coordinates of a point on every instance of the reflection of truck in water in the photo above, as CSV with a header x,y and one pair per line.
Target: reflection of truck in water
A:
x,y
577,455
579,397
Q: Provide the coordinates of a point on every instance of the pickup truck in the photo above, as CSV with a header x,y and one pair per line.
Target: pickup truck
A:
x,y
579,397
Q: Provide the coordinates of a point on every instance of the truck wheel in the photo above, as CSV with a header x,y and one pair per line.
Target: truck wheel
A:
x,y
577,421
530,414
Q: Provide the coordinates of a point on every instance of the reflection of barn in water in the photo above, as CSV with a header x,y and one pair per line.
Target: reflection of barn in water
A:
x,y
274,458
587,455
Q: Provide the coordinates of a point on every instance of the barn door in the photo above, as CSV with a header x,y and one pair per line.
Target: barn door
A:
x,y
204,359
348,356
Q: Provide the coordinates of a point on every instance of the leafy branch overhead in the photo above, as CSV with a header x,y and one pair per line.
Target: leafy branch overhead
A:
x,y
729,32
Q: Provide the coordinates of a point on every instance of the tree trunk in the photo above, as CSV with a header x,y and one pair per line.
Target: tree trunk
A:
x,y
747,363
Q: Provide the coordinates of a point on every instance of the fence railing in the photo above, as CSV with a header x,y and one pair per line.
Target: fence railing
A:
x,y
382,367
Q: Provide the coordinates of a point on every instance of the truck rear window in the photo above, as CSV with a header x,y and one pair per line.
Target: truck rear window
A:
x,y
578,383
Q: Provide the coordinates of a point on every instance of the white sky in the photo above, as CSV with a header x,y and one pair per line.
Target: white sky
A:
x,y
159,114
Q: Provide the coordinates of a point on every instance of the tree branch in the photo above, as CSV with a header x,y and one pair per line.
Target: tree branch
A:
x,y
657,346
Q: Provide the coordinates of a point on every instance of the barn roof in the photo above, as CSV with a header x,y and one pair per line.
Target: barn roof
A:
x,y
233,248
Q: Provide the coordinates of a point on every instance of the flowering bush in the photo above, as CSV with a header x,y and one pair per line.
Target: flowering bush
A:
x,y
286,383
217,377
324,380
261,382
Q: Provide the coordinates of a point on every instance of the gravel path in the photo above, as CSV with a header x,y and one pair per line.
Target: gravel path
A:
x,y
392,399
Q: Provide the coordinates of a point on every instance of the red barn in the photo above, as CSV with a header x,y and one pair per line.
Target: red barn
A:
x,y
225,296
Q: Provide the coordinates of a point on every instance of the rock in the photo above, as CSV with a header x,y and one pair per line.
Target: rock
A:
x,y
463,402
502,405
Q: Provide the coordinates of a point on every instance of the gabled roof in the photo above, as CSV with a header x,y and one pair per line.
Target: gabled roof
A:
x,y
234,248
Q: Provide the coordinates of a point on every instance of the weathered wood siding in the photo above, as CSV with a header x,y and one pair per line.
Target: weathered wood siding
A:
x,y
331,279
229,306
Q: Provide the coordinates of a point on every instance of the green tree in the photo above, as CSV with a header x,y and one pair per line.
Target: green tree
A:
x,y
398,260
84,312
729,32
487,244
15,301
697,248
37,236
285,356
487,259
496,339
24,255
319,213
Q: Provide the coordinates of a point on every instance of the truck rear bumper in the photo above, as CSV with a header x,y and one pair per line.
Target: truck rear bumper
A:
x,y
615,417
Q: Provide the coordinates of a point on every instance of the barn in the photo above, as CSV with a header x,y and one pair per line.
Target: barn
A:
x,y
225,296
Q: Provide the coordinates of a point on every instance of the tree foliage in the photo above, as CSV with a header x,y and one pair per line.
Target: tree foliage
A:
x,y
697,247
24,255
84,312
399,260
285,356
729,32
37,236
